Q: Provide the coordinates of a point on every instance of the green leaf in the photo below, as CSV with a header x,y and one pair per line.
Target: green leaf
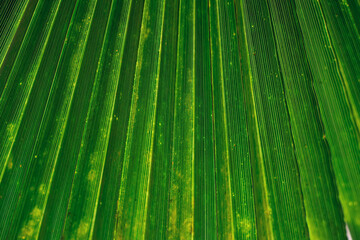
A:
x,y
185,119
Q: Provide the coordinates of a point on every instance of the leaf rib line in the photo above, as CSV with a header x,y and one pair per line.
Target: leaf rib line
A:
x,y
287,114
224,116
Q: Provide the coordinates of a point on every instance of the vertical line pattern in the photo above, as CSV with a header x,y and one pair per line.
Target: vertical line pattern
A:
x,y
185,119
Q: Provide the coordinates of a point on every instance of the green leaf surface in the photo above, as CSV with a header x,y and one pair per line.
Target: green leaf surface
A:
x,y
183,119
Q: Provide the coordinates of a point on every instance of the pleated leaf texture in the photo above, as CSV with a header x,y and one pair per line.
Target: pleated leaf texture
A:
x,y
180,119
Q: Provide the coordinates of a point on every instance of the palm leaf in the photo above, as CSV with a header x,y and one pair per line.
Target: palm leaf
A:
x,y
158,119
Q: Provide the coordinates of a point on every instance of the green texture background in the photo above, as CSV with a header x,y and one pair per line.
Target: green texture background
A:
x,y
180,119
